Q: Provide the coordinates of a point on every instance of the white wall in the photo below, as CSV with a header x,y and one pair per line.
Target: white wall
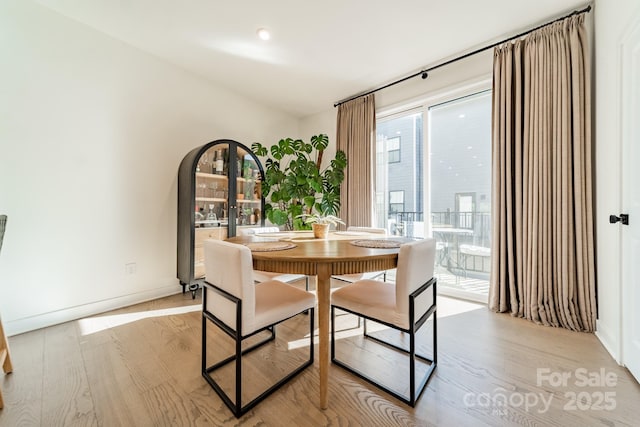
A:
x,y
612,20
91,135
324,122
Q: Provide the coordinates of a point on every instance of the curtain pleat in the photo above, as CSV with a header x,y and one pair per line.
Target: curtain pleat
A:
x,y
543,267
356,132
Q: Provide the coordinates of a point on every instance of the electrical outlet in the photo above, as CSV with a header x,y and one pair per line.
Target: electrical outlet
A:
x,y
131,268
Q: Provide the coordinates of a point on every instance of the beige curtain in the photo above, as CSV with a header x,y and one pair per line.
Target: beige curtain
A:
x,y
543,262
356,132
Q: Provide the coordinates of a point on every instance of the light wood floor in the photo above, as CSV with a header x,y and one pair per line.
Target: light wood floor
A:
x,y
140,366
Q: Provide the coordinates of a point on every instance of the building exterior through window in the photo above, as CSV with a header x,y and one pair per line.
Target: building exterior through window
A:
x,y
440,185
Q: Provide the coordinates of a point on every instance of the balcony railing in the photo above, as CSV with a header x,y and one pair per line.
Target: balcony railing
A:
x,y
464,238
411,224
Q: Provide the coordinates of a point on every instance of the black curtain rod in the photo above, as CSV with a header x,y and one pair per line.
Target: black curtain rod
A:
x,y
425,73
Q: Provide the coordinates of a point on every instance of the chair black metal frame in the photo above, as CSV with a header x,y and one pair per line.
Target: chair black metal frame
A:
x,y
414,394
236,334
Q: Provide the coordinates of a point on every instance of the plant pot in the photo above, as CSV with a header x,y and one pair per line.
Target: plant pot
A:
x,y
320,231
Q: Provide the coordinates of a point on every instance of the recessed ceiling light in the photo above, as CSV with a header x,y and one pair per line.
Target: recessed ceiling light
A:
x,y
263,33
461,116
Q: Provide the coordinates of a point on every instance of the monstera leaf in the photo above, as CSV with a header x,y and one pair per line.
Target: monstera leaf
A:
x,y
295,183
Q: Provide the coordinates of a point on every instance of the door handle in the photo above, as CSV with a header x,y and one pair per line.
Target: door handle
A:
x,y
623,218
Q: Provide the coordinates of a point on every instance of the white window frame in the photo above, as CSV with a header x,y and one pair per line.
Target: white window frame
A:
x,y
422,104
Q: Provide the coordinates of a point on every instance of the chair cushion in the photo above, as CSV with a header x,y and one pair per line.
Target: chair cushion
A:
x,y
390,302
372,298
359,276
241,231
263,276
229,267
416,261
276,301
373,230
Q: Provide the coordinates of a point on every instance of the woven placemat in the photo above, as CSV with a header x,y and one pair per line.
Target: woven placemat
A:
x,y
377,243
269,246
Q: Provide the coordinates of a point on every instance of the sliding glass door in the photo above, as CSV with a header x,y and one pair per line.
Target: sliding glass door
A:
x,y
460,193
440,186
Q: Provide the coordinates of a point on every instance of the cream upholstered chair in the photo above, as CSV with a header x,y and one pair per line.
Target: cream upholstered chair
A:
x,y
5,355
241,309
405,306
263,276
350,278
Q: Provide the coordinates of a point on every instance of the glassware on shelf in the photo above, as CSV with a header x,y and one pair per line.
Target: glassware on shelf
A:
x,y
204,163
201,190
211,215
213,189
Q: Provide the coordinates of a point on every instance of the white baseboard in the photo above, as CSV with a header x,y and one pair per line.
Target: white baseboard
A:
x,y
43,320
609,342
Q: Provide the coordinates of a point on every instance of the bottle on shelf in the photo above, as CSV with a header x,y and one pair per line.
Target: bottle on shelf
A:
x,y
219,163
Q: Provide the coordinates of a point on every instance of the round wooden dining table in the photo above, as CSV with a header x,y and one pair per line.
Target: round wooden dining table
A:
x,y
322,258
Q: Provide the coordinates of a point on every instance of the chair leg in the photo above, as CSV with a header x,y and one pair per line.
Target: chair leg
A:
x,y
237,407
5,358
416,388
306,288
7,366
1,400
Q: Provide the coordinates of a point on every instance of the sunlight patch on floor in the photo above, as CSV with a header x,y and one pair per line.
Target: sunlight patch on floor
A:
x,y
91,325
452,306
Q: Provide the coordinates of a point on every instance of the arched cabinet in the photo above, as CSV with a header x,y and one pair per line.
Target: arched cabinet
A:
x,y
219,191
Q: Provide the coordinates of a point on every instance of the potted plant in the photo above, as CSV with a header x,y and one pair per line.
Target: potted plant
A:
x,y
296,183
320,223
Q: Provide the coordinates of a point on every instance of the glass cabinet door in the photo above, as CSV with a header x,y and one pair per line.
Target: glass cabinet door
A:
x,y
248,190
211,208
212,188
